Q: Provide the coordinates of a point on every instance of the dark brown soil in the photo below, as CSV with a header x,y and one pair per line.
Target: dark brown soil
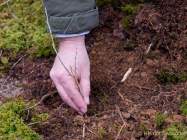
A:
x,y
160,23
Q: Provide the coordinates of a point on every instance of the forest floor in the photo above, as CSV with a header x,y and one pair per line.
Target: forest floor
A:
x,y
153,45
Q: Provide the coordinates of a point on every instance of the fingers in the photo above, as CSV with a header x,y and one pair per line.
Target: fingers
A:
x,y
68,91
85,83
85,89
65,97
72,91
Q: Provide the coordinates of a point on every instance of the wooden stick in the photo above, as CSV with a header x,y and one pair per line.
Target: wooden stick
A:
x,y
119,132
83,131
41,100
126,75
4,3
149,48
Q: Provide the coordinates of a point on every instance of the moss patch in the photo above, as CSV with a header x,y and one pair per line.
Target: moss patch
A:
x,y
12,126
129,9
23,27
168,77
183,108
177,131
104,2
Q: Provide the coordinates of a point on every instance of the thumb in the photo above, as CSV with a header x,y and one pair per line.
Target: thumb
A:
x,y
85,89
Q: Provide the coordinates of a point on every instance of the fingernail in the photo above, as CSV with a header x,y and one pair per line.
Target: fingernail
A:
x,y
83,110
87,100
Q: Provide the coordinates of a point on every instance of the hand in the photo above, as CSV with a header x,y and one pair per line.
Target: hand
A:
x,y
73,79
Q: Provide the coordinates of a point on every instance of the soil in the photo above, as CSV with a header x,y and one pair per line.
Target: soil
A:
x,y
134,103
9,88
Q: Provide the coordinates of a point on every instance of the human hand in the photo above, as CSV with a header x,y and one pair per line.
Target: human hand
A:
x,y
73,79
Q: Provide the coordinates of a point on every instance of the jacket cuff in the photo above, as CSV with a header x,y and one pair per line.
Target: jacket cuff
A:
x,y
70,35
74,24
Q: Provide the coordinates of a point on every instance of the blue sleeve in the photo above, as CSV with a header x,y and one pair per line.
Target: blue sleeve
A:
x,y
70,35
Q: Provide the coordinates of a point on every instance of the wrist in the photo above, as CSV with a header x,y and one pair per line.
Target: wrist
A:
x,y
72,41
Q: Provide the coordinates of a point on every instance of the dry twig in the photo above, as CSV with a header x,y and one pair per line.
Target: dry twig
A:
x,y
41,100
126,75
83,131
143,88
124,123
19,60
13,66
120,114
149,48
119,132
120,95
33,123
90,131
5,3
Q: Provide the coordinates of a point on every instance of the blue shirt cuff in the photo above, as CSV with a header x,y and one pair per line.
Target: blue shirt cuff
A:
x,y
70,35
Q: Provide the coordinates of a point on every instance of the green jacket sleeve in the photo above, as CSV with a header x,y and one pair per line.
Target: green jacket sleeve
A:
x,y
71,16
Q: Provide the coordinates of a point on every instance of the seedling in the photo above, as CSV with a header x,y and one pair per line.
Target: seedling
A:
x,y
101,133
160,119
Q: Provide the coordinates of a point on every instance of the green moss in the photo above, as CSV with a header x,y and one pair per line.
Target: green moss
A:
x,y
177,131
12,36
40,117
126,22
160,119
182,77
183,108
102,97
129,9
104,2
167,77
23,27
4,60
101,133
12,126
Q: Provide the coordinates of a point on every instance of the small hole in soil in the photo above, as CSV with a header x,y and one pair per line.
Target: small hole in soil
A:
x,y
53,102
100,97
